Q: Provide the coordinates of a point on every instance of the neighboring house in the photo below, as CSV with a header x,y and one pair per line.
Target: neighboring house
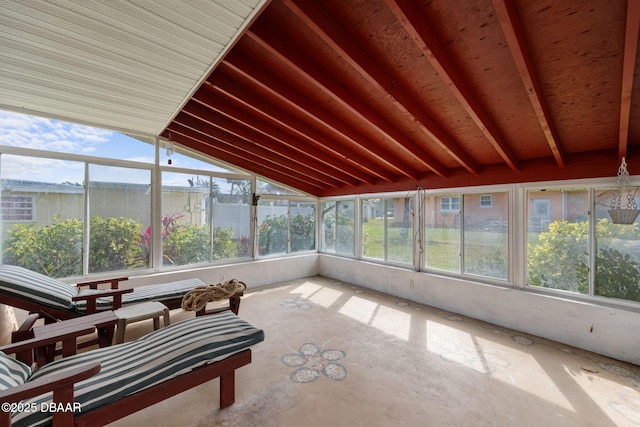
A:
x,y
42,203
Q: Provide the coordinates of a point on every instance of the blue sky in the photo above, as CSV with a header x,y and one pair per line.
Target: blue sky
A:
x,y
19,130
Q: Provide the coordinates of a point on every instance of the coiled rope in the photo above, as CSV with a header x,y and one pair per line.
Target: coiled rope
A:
x,y
197,298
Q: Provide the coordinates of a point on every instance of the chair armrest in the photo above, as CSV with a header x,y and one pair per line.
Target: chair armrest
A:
x,y
25,331
92,297
60,383
94,284
28,323
52,382
24,350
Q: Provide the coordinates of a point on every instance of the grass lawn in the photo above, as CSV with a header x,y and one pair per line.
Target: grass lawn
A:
x,y
485,251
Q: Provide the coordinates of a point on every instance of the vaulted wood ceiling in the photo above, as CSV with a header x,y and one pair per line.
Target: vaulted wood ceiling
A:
x,y
338,97
341,97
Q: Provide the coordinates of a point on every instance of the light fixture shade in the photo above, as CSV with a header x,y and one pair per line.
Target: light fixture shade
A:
x,y
623,216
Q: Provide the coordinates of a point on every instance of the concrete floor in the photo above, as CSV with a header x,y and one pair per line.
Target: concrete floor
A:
x,y
339,355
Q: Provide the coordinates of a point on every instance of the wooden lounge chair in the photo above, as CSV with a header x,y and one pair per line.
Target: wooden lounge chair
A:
x,y
107,384
55,300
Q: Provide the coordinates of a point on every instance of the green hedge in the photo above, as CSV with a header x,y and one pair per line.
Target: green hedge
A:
x,y
559,259
115,244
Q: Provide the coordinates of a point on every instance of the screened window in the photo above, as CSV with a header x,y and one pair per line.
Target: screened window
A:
x,y
51,242
204,218
285,226
230,218
485,242
302,217
617,258
328,232
268,187
31,132
338,227
120,214
387,229
175,156
442,245
373,228
470,239
558,239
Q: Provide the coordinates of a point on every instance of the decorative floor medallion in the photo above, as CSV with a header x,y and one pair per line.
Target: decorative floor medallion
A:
x,y
311,362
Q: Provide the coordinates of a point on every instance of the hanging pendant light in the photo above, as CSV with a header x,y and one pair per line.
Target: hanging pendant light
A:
x,y
624,209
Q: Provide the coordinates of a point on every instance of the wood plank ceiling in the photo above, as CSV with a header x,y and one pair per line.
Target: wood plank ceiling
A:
x,y
337,97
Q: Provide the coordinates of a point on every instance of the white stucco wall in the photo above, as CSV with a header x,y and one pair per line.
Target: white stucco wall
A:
x,y
613,332
253,274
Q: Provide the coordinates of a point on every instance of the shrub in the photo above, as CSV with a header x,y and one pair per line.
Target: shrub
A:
x,y
115,244
273,235
553,258
54,250
190,243
186,244
344,230
559,259
303,235
617,275
243,247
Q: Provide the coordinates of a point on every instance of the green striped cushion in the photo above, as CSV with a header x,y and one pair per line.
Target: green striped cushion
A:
x,y
12,372
44,290
150,360
160,292
36,287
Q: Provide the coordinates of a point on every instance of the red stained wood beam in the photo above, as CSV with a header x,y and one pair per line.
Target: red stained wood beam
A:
x,y
628,69
357,166
592,164
244,67
247,151
247,125
512,29
420,31
335,36
197,143
211,125
285,52
214,124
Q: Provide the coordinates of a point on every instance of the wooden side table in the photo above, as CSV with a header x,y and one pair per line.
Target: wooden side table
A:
x,y
136,312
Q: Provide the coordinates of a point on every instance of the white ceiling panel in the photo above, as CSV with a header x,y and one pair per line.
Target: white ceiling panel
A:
x,y
128,65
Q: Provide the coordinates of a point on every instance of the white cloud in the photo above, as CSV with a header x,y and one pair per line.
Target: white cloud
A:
x,y
18,130
40,169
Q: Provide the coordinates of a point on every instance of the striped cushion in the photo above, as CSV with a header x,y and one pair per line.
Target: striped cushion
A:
x,y
152,359
49,292
36,287
160,292
12,372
